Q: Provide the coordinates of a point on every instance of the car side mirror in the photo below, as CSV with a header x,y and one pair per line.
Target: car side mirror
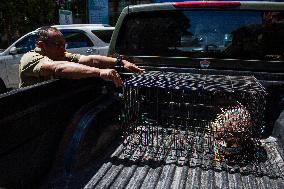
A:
x,y
13,51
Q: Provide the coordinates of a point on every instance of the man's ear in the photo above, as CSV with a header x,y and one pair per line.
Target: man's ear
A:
x,y
40,44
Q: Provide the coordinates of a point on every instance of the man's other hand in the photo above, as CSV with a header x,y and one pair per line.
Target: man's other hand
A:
x,y
111,74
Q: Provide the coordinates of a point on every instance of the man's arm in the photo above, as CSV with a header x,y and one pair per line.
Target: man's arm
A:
x,y
99,61
72,70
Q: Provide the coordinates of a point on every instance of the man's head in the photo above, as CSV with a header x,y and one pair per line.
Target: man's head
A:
x,y
51,42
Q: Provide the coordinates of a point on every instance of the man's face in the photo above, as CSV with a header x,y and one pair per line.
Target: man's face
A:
x,y
54,47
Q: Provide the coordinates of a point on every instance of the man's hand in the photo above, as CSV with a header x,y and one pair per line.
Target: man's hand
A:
x,y
111,74
132,67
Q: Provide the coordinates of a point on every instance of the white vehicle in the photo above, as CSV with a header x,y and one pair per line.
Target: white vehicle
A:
x,y
80,38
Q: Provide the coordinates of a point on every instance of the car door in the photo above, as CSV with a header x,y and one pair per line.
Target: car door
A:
x,y
78,42
12,60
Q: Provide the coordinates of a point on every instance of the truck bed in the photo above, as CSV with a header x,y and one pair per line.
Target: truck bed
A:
x,y
112,167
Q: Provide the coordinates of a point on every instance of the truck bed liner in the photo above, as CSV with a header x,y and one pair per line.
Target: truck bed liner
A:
x,y
116,173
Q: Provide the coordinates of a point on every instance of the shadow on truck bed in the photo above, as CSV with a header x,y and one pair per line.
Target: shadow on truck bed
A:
x,y
32,122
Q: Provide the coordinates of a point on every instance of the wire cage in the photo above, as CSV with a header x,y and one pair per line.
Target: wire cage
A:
x,y
196,117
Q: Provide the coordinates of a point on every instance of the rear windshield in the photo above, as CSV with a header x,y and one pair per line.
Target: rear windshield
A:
x,y
104,35
204,33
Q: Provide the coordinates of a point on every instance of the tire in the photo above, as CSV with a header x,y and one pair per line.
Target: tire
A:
x,y
3,88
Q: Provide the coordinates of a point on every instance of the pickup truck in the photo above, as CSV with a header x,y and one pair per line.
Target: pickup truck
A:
x,y
67,134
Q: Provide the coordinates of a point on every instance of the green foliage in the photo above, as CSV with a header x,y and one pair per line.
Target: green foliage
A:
x,y
18,17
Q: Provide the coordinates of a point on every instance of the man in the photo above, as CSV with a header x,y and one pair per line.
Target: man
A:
x,y
50,60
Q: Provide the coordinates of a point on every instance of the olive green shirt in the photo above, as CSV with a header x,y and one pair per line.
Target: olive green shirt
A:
x,y
31,63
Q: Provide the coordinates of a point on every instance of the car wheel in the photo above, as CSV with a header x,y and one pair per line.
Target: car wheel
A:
x,y
3,88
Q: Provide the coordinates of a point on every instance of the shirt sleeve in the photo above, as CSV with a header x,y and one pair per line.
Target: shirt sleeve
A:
x,y
72,57
31,64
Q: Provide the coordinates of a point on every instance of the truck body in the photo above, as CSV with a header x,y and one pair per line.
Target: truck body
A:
x,y
66,134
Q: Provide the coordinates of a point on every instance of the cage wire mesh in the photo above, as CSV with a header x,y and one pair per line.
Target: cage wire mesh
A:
x,y
212,121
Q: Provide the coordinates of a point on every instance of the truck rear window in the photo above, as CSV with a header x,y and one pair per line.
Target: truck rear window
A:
x,y
204,33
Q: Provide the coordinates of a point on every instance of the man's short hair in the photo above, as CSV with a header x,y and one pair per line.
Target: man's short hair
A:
x,y
43,33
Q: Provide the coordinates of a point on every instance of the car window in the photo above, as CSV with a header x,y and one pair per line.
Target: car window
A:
x,y
76,39
104,35
237,34
26,44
